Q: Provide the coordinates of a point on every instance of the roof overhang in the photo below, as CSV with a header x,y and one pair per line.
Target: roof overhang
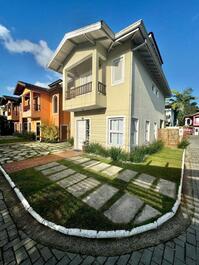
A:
x,y
144,44
21,86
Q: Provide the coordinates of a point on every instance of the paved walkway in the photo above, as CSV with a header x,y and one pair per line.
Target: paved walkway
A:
x,y
37,161
17,248
19,151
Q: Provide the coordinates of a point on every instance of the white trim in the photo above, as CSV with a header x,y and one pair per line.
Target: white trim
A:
x,y
85,233
114,83
137,137
55,95
76,135
107,130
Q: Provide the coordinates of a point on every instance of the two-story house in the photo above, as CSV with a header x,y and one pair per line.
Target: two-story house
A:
x,y
41,105
9,112
113,84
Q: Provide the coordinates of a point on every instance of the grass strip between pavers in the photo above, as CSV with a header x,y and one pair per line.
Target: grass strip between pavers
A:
x,y
57,205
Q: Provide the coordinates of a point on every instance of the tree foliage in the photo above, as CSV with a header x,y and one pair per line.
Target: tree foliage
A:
x,y
183,103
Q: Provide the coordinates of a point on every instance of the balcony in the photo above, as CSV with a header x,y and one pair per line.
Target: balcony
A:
x,y
84,97
12,112
84,84
30,105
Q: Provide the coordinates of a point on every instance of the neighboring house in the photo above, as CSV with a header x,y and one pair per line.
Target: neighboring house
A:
x,y
169,116
113,85
9,107
41,105
193,121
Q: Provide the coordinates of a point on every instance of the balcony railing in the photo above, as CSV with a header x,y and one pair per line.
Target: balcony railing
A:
x,y
26,108
84,89
101,88
80,90
36,107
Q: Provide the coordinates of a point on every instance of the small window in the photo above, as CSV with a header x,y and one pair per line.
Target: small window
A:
x,y
116,131
153,88
157,93
155,131
55,101
147,132
134,132
117,70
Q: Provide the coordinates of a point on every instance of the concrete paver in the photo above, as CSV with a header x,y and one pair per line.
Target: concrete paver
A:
x,y
124,209
83,186
100,196
127,175
52,170
65,173
64,183
147,213
167,188
144,181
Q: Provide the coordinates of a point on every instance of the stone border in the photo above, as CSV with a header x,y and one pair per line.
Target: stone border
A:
x,y
94,233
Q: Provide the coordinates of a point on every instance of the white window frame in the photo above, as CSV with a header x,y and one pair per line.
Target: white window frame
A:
x,y
137,135
147,137
155,129
109,132
82,76
113,83
53,104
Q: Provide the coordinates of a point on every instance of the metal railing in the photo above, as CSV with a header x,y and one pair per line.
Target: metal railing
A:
x,y
80,90
84,89
101,88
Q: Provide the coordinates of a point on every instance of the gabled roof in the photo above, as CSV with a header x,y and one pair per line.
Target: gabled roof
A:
x,y
145,45
22,85
4,99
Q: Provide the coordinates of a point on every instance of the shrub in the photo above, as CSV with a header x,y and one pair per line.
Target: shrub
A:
x,y
115,153
71,141
95,148
49,133
154,147
137,155
26,135
183,144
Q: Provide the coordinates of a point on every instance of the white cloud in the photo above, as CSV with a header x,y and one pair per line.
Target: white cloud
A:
x,y
10,89
41,52
42,84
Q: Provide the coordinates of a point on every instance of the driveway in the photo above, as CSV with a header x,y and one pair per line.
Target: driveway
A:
x,y
20,151
18,248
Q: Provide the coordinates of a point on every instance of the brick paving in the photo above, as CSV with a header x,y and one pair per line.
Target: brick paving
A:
x,y
37,161
17,248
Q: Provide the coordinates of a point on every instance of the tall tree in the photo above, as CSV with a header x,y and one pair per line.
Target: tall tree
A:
x,y
183,103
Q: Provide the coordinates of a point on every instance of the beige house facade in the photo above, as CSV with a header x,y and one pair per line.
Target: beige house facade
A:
x,y
113,85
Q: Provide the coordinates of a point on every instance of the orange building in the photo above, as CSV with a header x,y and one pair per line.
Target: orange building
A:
x,y
39,106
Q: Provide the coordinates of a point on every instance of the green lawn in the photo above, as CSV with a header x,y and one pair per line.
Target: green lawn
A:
x,y
56,204
13,140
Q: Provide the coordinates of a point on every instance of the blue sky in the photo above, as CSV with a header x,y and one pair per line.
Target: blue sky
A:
x,y
23,24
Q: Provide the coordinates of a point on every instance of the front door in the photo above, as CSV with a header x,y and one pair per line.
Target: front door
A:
x,y
82,133
64,132
38,131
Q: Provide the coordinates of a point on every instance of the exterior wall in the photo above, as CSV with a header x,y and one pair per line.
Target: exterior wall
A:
x,y
117,102
146,106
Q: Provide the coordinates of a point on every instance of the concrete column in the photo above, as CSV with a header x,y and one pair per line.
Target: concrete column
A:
x,y
95,68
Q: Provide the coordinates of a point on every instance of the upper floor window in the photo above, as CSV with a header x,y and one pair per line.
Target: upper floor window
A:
x,y
117,70
55,103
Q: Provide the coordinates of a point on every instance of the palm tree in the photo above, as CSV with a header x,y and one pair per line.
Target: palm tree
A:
x,y
183,103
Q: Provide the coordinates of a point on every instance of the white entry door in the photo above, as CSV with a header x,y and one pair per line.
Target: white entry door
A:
x,y
81,133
